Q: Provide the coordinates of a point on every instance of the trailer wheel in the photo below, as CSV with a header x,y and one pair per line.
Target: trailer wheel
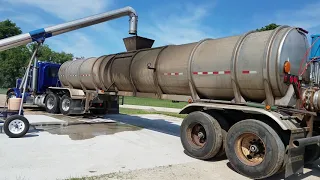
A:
x,y
16,126
201,135
52,103
65,105
224,129
254,149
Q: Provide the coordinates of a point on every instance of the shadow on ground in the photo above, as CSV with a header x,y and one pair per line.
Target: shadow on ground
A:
x,y
158,125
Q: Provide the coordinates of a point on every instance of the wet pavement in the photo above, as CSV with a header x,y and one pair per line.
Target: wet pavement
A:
x,y
88,131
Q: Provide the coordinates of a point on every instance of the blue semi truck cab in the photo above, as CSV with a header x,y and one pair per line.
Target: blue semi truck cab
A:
x,y
46,76
45,90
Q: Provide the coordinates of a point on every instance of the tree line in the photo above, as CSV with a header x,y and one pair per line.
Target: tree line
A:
x,y
13,61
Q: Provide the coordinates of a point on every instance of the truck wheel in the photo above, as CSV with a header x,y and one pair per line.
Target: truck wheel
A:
x,y
65,105
16,126
254,149
224,129
52,103
201,135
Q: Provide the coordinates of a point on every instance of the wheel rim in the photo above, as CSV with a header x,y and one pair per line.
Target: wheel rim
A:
x,y
250,149
197,135
50,103
16,126
65,104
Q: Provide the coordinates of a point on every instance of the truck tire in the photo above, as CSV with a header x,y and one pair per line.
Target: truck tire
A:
x,y
224,129
16,126
66,104
52,102
254,149
201,135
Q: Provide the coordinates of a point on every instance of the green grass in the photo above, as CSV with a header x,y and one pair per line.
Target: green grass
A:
x,y
139,111
3,90
153,102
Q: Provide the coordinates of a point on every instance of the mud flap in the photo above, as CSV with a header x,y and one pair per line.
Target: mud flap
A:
x,y
294,161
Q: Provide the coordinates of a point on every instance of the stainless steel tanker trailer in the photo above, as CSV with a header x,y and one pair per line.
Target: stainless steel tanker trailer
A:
x,y
250,96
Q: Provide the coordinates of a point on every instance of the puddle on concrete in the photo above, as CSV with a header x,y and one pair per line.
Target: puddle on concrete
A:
x,y
87,131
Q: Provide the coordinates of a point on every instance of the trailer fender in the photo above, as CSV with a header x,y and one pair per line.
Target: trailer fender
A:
x,y
73,93
277,117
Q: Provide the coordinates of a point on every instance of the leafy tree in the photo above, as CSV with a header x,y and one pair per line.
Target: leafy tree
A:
x,y
13,61
48,55
268,27
8,29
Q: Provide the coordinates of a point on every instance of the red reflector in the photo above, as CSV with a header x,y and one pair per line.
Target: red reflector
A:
x,y
295,80
100,104
285,78
291,79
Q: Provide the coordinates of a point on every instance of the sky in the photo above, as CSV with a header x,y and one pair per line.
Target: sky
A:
x,y
165,21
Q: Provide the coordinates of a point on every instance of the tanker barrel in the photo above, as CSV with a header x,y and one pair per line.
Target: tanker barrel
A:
x,y
41,34
250,65
300,143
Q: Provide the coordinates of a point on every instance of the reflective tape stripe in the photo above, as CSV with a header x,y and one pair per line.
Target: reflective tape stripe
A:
x,y
249,72
173,74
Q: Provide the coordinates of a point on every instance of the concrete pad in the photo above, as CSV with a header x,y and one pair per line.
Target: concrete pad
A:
x,y
42,155
43,120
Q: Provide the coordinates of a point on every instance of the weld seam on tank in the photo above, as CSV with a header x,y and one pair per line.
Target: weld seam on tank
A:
x,y
96,76
155,73
235,84
273,36
67,77
266,68
193,88
111,73
79,77
90,75
278,61
134,89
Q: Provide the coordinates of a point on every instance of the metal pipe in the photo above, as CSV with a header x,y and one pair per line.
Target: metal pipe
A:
x,y
42,33
27,73
35,76
298,143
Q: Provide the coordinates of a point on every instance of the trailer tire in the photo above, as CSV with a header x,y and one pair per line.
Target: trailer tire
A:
x,y
201,135
66,104
52,102
254,149
21,123
224,131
